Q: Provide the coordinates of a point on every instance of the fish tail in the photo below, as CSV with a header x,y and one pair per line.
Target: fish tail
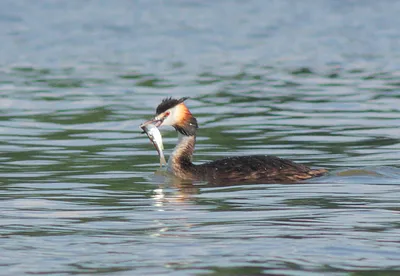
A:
x,y
162,161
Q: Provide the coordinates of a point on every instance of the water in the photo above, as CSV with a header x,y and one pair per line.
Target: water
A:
x,y
314,81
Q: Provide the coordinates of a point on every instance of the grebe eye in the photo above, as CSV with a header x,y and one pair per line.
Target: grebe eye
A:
x,y
167,114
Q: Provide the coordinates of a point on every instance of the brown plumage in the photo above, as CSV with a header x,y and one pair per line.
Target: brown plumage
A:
x,y
238,169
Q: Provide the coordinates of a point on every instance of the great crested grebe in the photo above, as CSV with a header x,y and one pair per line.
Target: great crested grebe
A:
x,y
238,169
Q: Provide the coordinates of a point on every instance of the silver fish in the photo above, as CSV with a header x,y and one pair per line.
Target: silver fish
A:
x,y
155,137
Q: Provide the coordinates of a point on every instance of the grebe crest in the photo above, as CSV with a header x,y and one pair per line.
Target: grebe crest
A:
x,y
239,169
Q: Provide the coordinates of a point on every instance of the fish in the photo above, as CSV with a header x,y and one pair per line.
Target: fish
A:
x,y
155,137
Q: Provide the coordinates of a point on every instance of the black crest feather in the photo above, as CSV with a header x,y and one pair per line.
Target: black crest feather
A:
x,y
168,103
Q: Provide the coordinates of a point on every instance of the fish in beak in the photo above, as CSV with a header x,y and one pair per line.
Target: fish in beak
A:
x,y
152,131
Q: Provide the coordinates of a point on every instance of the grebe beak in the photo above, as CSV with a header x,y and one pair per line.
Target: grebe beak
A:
x,y
154,121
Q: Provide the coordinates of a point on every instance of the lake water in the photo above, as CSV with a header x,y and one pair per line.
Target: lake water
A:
x,y
317,82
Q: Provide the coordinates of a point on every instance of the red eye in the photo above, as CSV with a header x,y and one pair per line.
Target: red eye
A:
x,y
167,114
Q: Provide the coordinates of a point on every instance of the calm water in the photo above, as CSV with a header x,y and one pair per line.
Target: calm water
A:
x,y
314,81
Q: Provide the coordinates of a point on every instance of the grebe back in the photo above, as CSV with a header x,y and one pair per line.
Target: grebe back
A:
x,y
238,169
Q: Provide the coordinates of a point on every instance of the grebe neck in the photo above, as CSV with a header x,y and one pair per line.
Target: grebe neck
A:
x,y
180,161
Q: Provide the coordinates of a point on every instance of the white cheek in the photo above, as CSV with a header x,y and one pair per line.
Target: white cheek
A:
x,y
172,118
168,121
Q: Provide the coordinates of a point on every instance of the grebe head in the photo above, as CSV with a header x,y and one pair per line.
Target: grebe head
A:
x,y
174,112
